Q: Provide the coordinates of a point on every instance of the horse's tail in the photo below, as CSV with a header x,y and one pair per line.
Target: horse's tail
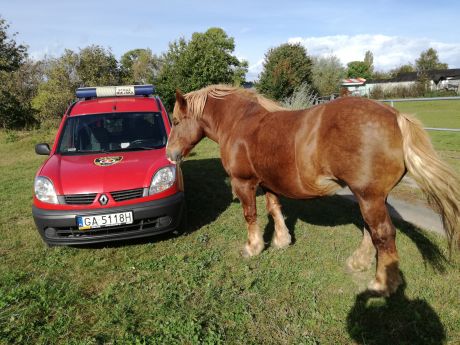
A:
x,y
437,180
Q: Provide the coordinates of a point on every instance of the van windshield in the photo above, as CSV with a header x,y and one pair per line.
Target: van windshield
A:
x,y
112,132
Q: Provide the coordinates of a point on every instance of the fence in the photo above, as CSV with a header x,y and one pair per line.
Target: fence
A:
x,y
391,101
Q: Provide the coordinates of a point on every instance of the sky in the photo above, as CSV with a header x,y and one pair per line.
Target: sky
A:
x,y
395,31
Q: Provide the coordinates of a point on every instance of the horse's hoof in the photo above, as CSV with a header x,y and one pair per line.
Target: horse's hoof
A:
x,y
358,265
249,251
280,242
244,253
378,288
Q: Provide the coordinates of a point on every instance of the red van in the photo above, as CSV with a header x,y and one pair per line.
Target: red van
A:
x,y
107,176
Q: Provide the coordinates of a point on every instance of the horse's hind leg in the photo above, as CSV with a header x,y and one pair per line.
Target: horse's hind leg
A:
x,y
362,257
383,233
282,237
246,192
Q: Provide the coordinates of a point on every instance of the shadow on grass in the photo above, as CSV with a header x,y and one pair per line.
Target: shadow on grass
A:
x,y
207,191
207,195
394,320
336,210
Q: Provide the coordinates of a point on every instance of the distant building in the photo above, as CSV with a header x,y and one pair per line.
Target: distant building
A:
x,y
355,86
447,79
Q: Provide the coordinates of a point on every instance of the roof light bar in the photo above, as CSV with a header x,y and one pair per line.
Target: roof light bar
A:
x,y
115,91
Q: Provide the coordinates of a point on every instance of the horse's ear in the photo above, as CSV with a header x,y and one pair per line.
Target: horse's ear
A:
x,y
181,101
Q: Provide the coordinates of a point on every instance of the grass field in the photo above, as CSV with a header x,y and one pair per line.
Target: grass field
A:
x,y
434,113
444,114
196,289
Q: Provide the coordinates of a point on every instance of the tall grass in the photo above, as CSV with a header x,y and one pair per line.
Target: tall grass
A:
x,y
303,97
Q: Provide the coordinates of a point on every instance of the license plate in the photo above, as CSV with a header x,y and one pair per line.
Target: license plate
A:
x,y
104,220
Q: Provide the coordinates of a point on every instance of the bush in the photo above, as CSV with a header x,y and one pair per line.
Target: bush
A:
x,y
412,91
418,89
303,97
13,113
327,74
285,68
377,92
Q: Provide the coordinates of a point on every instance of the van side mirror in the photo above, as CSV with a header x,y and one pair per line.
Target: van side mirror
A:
x,y
42,149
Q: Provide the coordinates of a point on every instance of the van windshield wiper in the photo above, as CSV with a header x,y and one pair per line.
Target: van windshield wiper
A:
x,y
77,152
136,148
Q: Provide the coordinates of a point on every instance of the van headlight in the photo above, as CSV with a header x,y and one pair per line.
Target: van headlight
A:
x,y
163,179
44,190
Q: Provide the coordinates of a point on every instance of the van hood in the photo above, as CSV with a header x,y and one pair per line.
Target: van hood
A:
x,y
104,172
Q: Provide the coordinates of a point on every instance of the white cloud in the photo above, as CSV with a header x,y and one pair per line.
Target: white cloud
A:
x,y
51,50
254,70
389,51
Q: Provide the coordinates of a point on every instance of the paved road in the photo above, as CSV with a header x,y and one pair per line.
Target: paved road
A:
x,y
421,216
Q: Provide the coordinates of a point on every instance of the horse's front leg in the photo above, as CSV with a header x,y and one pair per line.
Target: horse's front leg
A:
x,y
245,190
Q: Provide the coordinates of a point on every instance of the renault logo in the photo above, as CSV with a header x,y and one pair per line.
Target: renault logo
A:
x,y
103,200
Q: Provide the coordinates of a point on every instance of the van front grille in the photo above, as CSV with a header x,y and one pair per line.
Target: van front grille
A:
x,y
123,195
79,199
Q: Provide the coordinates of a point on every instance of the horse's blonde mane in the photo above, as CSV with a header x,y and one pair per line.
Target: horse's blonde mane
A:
x,y
196,100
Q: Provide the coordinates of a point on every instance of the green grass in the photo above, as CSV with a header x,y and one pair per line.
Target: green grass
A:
x,y
444,114
434,113
196,289
439,114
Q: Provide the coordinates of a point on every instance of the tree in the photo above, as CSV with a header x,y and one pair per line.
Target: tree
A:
x,y
12,55
327,74
381,75
58,89
204,60
407,68
139,66
91,66
358,69
362,69
97,67
15,107
286,68
18,91
429,60
369,61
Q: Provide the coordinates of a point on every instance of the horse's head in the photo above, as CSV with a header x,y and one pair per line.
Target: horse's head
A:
x,y
185,133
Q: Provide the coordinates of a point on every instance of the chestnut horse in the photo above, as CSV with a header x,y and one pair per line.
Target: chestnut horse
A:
x,y
351,141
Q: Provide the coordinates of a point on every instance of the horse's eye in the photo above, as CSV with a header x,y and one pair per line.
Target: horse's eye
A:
x,y
175,122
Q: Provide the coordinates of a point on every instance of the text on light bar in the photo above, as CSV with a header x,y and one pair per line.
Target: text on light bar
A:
x,y
115,91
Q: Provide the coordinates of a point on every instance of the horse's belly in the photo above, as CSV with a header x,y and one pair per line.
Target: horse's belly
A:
x,y
294,186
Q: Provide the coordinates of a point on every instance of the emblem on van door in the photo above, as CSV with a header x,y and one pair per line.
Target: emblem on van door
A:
x,y
103,200
107,161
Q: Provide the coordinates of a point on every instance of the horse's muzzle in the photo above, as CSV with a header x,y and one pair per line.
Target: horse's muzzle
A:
x,y
174,155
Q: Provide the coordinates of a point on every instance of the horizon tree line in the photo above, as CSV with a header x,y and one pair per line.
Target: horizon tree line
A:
x,y
37,92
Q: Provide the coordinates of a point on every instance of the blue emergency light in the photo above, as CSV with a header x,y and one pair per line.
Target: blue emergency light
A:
x,y
115,91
